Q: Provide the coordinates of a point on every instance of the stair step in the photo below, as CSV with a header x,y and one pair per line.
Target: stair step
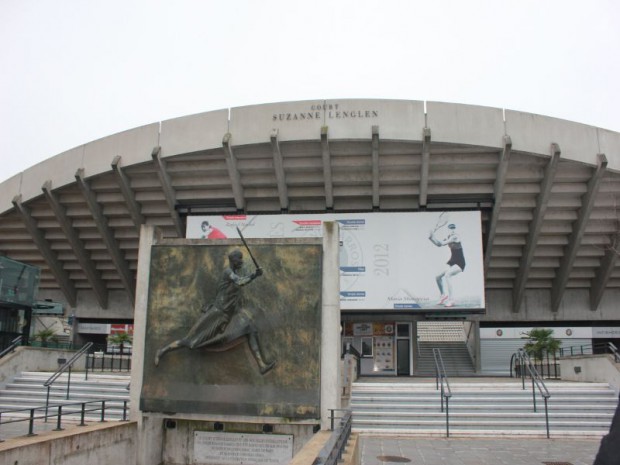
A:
x,y
26,391
488,407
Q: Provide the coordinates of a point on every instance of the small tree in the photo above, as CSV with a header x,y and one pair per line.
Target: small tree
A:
x,y
45,335
121,339
541,343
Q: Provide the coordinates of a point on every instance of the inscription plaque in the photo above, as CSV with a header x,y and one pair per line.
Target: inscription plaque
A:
x,y
242,449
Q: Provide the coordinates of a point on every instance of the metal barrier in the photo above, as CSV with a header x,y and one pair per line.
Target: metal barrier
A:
x,y
589,349
441,380
99,361
334,447
32,415
549,361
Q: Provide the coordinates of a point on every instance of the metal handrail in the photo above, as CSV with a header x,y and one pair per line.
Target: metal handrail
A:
x,y
537,381
350,349
332,451
441,379
14,343
614,351
60,413
67,366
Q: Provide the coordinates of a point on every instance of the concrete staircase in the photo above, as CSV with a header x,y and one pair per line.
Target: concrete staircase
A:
x,y
482,407
449,338
27,391
455,356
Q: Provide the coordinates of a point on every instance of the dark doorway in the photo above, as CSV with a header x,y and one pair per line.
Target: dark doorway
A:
x,y
402,357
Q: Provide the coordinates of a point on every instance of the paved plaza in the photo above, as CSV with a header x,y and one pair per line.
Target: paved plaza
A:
x,y
376,450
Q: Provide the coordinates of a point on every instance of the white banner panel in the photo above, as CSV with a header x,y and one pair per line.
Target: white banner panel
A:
x,y
389,261
607,332
562,332
93,328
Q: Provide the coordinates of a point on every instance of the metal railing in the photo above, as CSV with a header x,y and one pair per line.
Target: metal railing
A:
x,y
525,362
100,361
64,410
67,366
549,364
441,381
12,346
333,449
548,361
589,349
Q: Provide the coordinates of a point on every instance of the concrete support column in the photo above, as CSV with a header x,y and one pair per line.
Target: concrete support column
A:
x,y
150,430
476,332
330,324
150,441
414,346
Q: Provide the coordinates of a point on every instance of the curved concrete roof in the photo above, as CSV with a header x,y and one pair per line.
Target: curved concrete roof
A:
x,y
548,187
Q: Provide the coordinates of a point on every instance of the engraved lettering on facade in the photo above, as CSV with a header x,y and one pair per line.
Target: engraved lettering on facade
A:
x,y
332,111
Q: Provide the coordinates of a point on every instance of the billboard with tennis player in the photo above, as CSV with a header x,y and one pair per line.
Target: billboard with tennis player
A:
x,y
388,261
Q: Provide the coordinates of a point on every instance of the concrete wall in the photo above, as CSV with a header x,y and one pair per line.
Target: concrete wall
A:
x,y
537,306
346,119
92,445
591,368
179,441
33,359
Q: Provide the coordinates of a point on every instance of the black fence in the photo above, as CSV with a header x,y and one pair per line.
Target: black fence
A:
x,y
96,410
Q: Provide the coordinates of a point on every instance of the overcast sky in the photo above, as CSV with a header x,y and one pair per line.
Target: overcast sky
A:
x,y
73,71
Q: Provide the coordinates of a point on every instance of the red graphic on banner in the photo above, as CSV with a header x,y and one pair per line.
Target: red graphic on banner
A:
x,y
235,217
120,328
307,222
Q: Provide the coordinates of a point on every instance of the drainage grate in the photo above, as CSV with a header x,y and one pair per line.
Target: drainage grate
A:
x,y
557,463
394,458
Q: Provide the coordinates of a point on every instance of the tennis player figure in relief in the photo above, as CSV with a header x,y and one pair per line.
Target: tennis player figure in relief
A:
x,y
454,266
227,318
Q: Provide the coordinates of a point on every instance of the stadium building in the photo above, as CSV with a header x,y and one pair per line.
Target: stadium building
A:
x,y
531,200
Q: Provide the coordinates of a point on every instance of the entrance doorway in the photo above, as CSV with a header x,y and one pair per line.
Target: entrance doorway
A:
x,y
402,354
403,349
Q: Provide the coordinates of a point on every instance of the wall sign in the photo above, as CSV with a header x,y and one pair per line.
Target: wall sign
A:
x,y
217,448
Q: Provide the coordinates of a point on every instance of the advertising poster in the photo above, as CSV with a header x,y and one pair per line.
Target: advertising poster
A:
x,y
384,353
388,261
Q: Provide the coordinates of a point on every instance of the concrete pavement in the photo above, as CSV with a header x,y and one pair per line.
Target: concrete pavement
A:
x,y
378,450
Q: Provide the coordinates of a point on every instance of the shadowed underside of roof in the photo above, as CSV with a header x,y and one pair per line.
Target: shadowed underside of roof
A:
x,y
548,222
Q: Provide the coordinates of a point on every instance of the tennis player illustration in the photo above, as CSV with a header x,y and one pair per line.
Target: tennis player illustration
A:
x,y
455,265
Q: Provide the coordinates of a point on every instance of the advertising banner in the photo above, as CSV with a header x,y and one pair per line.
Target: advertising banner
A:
x,y
388,261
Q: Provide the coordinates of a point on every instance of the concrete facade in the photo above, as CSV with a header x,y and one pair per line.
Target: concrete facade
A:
x,y
547,189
